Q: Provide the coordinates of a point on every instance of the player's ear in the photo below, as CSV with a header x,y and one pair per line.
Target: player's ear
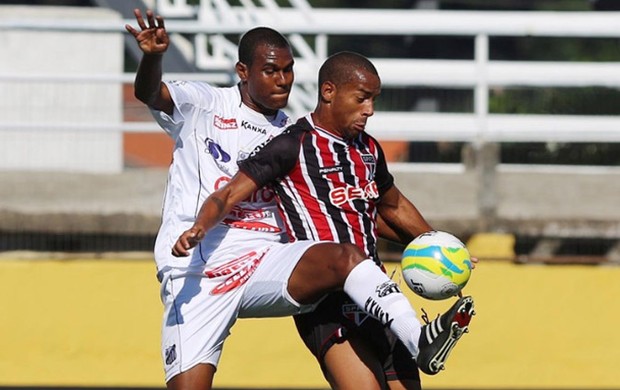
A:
x,y
328,89
242,71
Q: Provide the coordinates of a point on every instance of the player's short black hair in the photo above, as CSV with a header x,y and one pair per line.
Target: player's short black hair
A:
x,y
256,37
339,68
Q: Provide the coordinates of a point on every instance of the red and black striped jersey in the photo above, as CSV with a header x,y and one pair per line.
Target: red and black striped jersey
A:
x,y
327,187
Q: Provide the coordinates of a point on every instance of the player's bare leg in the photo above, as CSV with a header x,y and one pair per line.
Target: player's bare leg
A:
x,y
351,365
328,267
322,269
199,377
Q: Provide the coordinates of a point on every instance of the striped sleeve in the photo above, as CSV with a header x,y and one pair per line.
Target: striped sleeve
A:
x,y
383,178
275,160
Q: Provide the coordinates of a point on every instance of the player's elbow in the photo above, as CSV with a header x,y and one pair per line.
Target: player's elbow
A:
x,y
148,98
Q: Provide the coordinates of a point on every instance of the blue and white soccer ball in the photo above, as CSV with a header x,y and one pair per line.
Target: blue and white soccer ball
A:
x,y
436,265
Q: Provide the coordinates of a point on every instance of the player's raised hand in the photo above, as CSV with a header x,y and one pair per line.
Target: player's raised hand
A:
x,y
153,38
189,239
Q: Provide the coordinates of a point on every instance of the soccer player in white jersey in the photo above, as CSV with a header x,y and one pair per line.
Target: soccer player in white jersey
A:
x,y
213,128
235,272
332,181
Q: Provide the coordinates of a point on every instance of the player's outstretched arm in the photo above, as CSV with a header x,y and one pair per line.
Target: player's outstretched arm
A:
x,y
153,41
215,207
399,220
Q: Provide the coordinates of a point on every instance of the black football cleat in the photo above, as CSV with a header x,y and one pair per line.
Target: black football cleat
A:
x,y
439,336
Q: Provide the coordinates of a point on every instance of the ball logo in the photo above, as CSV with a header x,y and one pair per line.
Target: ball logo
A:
x,y
341,195
417,288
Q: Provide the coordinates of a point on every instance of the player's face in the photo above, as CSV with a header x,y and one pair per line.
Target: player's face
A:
x,y
269,79
354,103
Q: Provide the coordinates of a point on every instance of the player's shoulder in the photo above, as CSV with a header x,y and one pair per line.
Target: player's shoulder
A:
x,y
366,140
299,128
227,95
288,141
189,85
291,135
201,93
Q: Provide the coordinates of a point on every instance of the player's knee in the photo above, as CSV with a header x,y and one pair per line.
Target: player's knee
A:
x,y
347,258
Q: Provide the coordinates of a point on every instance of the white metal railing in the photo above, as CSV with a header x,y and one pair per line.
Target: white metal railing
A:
x,y
216,55
309,31
480,74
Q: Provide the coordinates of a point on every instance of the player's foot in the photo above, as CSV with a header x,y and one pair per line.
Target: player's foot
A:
x,y
439,336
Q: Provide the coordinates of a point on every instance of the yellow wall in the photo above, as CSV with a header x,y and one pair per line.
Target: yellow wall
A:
x,y
96,322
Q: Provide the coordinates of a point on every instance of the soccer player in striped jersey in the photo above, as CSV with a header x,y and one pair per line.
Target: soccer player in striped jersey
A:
x,y
333,186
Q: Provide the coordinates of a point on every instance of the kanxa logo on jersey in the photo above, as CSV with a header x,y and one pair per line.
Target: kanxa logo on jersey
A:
x,y
240,270
225,123
249,126
341,195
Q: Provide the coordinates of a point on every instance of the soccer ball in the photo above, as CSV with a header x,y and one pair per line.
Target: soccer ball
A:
x,y
436,265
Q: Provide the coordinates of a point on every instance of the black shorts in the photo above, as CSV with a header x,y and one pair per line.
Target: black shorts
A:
x,y
338,318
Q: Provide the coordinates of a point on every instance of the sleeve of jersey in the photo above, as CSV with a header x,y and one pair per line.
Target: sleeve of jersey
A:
x,y
186,95
274,161
383,177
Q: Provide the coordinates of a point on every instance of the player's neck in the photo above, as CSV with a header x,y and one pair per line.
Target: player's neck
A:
x,y
247,100
321,119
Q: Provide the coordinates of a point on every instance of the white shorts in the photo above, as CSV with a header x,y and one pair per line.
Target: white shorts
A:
x,y
201,306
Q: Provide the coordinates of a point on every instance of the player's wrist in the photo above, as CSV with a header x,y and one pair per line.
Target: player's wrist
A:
x,y
198,231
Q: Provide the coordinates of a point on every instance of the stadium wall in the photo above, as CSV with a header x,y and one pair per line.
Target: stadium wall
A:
x,y
95,323
69,106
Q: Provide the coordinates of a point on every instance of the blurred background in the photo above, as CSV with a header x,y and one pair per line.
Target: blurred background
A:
x,y
499,119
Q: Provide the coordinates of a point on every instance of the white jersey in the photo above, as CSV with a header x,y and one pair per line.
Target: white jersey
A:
x,y
213,130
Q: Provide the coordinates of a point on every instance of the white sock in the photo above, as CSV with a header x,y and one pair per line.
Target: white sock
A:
x,y
375,293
